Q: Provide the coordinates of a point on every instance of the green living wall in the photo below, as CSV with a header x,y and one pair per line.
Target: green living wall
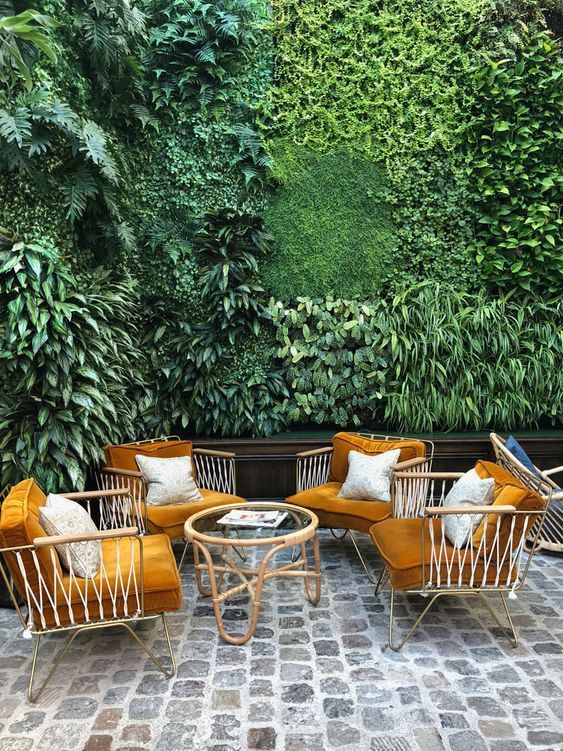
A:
x,y
233,217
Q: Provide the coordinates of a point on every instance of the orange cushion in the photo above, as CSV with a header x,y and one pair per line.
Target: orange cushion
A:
x,y
343,443
399,542
123,457
341,513
170,520
19,525
161,582
508,491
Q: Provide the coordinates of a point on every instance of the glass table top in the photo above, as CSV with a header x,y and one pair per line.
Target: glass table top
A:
x,y
252,521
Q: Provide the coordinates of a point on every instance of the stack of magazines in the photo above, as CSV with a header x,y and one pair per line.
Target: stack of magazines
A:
x,y
263,519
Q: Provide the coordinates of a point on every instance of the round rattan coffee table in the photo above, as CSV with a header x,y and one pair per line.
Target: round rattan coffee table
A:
x,y
208,535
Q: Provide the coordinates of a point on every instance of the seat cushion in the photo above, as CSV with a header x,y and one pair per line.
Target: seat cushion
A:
x,y
171,519
123,457
508,491
399,543
161,582
343,443
19,525
341,513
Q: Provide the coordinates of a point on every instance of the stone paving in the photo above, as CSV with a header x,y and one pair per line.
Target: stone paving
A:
x,y
312,678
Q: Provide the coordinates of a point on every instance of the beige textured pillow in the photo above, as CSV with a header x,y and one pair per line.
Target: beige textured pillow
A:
x,y
169,481
469,490
369,477
61,516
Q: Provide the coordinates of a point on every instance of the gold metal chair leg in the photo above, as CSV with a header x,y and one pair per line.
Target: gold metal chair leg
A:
x,y
363,561
34,697
239,551
184,552
150,653
296,553
510,632
339,537
410,632
383,577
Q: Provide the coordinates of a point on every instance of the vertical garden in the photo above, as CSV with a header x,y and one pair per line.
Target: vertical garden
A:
x,y
229,218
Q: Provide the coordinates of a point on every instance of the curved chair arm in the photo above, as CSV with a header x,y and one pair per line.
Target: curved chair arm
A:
x,y
313,468
553,471
215,470
409,465
314,452
127,507
412,490
104,534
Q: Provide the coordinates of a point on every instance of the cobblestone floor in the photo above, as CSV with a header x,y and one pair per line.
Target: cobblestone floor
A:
x,y
313,678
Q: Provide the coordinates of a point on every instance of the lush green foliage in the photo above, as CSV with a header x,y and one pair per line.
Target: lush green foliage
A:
x,y
21,36
68,360
429,359
333,366
517,168
34,127
204,383
110,35
396,80
390,80
331,224
196,52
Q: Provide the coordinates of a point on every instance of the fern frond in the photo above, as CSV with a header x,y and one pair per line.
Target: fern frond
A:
x,y
126,235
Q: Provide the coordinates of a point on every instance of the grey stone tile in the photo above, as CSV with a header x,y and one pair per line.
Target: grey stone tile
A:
x,y
312,678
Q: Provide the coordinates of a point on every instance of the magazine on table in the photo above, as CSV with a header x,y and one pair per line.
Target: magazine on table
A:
x,y
241,518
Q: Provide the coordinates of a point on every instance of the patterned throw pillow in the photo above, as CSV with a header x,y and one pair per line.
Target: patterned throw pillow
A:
x,y
169,481
369,477
61,516
469,490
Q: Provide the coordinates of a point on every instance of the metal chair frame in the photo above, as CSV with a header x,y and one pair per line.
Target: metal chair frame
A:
x,y
215,470
551,537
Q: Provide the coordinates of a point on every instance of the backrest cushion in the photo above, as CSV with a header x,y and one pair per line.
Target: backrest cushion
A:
x,y
123,457
19,525
508,491
343,443
518,453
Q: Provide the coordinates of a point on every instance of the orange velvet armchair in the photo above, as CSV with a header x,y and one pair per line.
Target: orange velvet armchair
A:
x,y
137,578
321,473
420,559
214,474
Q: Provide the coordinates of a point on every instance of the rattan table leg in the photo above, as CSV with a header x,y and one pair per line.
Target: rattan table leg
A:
x,y
313,598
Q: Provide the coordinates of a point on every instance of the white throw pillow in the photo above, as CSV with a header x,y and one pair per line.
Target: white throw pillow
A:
x,y
369,477
61,516
169,480
469,490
